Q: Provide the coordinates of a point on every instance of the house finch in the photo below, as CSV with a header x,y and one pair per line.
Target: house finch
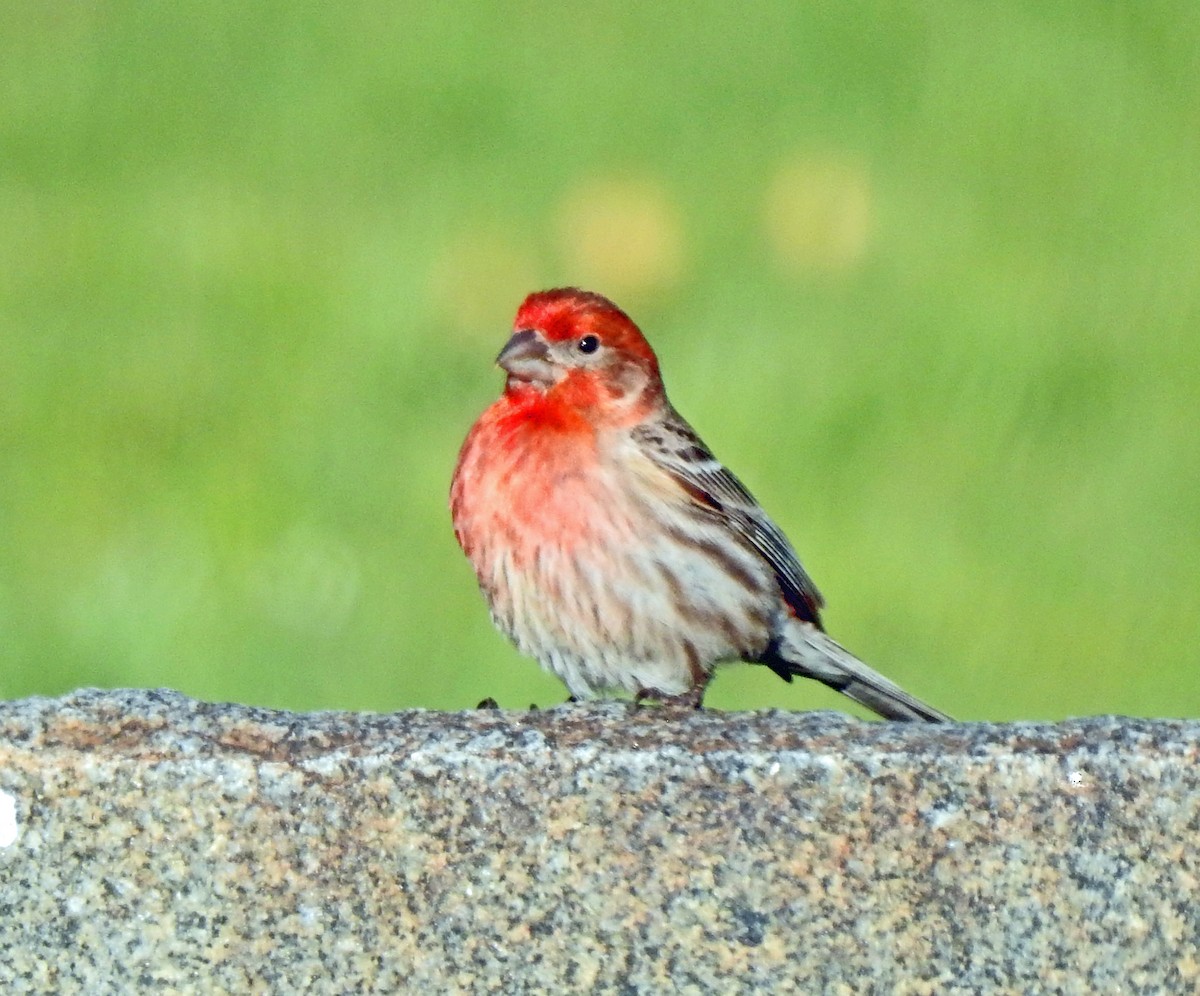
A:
x,y
612,545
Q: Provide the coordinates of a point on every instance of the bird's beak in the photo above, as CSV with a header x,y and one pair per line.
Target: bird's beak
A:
x,y
526,357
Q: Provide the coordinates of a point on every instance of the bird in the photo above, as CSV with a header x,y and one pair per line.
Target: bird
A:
x,y
612,546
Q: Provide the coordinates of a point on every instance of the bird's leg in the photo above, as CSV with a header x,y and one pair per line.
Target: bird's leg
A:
x,y
692,699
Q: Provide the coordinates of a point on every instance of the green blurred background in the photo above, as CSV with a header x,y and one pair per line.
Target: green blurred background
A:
x,y
926,275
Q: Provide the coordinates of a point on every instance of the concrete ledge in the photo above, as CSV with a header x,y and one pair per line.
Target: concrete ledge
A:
x,y
149,842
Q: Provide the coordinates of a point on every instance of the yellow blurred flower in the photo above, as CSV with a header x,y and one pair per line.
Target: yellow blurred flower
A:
x,y
818,213
621,236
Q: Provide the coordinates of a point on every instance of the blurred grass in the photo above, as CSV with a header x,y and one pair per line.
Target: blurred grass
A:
x,y
926,277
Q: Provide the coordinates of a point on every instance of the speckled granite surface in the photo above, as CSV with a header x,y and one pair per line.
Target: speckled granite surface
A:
x,y
152,843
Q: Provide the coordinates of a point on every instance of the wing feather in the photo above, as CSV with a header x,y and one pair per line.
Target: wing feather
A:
x,y
708,483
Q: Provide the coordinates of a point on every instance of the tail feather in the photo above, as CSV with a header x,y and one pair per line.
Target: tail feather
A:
x,y
806,651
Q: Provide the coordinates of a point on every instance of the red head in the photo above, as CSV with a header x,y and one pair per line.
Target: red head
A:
x,y
580,350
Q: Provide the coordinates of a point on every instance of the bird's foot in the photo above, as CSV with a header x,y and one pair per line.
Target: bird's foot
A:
x,y
692,699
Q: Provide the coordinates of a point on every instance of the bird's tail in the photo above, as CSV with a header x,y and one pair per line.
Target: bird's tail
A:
x,y
804,650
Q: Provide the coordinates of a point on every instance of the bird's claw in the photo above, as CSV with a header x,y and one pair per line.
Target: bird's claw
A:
x,y
692,699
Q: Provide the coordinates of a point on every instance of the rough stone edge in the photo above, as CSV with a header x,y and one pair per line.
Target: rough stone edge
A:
x,y
143,723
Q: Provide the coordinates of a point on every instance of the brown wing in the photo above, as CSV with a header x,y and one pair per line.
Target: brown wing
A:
x,y
680,451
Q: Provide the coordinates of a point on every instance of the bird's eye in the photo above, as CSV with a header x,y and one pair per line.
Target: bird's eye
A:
x,y
589,344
